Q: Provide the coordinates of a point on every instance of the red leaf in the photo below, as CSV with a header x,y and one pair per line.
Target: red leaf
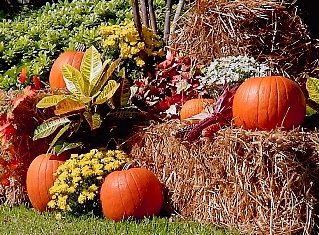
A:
x,y
13,164
28,91
4,175
23,75
6,132
36,82
5,182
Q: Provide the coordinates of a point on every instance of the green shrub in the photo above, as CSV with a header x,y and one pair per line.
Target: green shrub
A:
x,y
36,37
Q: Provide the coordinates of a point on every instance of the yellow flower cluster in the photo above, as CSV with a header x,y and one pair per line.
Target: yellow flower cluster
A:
x,y
126,41
79,179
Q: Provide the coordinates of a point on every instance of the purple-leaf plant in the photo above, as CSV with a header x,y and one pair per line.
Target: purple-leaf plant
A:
x,y
219,115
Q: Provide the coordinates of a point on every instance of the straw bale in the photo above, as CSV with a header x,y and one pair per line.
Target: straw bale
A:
x,y
271,31
259,182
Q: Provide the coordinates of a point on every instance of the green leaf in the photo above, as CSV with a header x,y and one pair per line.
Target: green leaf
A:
x,y
98,85
60,133
312,86
49,127
74,80
126,113
69,106
123,94
94,120
50,101
60,148
310,111
91,64
94,83
108,92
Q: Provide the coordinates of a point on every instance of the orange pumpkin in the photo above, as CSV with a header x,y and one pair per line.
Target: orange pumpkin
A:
x,y
74,58
40,178
135,192
268,103
192,107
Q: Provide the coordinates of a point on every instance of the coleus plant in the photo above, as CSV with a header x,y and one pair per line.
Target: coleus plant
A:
x,y
214,117
173,81
18,120
89,88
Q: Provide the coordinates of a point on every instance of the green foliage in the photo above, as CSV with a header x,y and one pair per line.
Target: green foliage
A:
x,y
90,86
36,38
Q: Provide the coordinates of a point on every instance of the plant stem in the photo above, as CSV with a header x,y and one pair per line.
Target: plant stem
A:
x,y
176,17
144,12
137,18
152,15
167,21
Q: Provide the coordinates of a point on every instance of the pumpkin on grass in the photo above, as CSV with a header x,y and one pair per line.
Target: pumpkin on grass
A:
x,y
40,178
192,107
267,103
135,192
73,58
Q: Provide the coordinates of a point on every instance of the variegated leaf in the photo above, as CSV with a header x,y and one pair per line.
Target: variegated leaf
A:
x,y
98,85
50,101
91,65
108,92
60,148
126,113
69,106
60,133
122,95
312,86
49,127
74,80
96,80
94,120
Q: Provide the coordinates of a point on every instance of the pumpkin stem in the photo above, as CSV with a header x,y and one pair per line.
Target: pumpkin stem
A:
x,y
79,47
127,165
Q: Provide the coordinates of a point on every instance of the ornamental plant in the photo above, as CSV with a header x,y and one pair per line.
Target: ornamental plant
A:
x,y
18,120
173,81
138,52
79,179
36,37
231,70
89,88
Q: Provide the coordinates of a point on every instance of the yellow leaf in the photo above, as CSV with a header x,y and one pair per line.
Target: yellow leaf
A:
x,y
69,106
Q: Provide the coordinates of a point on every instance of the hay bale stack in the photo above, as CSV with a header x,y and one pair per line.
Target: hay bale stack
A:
x,y
260,182
271,31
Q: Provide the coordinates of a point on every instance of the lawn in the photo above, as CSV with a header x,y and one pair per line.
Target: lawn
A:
x,y
24,220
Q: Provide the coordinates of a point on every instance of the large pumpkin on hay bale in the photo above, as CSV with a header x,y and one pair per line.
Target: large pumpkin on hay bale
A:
x,y
40,179
135,192
73,58
267,103
192,107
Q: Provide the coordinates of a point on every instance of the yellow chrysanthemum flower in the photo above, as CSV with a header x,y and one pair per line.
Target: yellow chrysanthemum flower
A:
x,y
139,61
81,176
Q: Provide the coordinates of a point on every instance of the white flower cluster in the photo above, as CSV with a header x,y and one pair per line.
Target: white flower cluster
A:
x,y
232,69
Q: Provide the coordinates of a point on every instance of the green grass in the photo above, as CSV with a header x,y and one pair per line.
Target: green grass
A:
x,y
20,220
